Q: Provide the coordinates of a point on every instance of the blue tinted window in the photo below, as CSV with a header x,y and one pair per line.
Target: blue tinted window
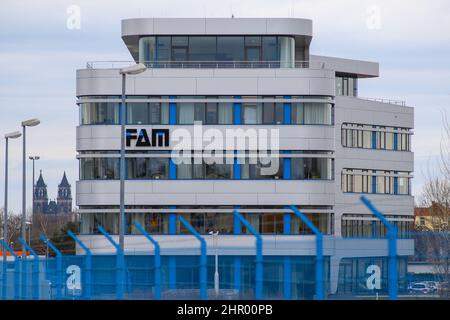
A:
x,y
202,48
230,48
269,49
163,49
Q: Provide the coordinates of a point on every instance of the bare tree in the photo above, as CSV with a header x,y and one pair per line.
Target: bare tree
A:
x,y
14,224
435,240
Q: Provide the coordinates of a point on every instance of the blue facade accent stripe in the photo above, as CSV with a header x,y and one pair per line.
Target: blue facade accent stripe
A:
x,y
287,274
172,170
374,140
374,184
395,140
287,111
237,260
236,224
172,259
395,185
172,111
236,167
237,111
287,223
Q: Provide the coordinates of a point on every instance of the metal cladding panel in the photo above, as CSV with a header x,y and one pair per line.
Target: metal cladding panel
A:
x,y
208,82
216,26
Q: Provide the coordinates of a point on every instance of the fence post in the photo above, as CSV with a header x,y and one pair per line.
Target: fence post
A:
x,y
88,267
120,264
392,249
320,283
203,276
35,275
259,257
16,274
157,260
59,277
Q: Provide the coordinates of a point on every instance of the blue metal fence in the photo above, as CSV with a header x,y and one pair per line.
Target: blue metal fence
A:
x,y
153,276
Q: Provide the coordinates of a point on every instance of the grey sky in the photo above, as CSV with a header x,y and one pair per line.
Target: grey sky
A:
x,y
39,56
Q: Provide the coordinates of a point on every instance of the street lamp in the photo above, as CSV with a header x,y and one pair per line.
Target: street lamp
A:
x,y
28,227
33,159
216,267
26,123
131,70
12,135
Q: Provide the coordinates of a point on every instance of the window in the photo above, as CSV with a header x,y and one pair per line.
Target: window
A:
x,y
163,48
147,49
99,113
269,49
211,113
377,137
99,168
386,182
311,168
230,49
268,113
180,48
202,48
252,113
158,168
311,113
346,86
367,226
137,113
225,113
261,166
188,112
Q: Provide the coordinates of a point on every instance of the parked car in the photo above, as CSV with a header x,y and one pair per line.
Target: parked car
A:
x,y
419,288
433,285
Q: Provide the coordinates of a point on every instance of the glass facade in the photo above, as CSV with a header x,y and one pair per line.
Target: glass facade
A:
x,y
205,222
273,51
147,113
365,226
375,137
376,181
99,168
210,110
209,167
99,113
312,113
353,275
346,86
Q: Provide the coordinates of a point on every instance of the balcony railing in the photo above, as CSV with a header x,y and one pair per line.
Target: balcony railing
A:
x,y
390,101
210,64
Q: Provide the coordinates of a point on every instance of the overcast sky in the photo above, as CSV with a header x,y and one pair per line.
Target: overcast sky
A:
x,y
39,55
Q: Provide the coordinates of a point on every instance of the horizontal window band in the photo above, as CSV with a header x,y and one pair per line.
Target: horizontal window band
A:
x,y
377,130
350,173
376,219
231,156
149,211
318,100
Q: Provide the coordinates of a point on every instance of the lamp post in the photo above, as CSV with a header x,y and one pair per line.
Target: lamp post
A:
x,y
32,210
134,69
216,263
12,135
26,123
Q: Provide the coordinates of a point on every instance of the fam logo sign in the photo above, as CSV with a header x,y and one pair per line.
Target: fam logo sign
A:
x,y
142,138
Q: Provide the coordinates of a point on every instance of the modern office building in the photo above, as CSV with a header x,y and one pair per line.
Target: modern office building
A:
x,y
257,75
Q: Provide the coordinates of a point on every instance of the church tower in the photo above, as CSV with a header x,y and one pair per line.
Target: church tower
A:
x,y
64,199
40,196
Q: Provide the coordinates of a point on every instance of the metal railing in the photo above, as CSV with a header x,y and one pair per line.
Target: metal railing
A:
x,y
390,101
209,64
